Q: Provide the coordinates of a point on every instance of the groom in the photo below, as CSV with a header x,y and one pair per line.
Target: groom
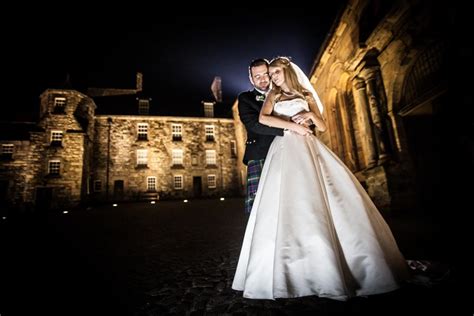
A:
x,y
259,136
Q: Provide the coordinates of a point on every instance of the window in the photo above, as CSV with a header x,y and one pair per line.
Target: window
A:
x,y
151,184
176,130
211,157
177,156
143,107
233,148
424,75
97,186
59,105
56,138
142,157
211,181
142,131
7,151
178,182
209,133
54,167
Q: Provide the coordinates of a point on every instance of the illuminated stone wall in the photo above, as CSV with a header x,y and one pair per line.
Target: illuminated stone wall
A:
x,y
15,173
241,137
378,55
30,181
159,144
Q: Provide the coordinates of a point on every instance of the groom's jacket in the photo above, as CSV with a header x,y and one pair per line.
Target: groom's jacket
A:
x,y
259,136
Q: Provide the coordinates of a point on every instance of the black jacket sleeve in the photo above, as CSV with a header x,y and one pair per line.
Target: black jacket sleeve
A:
x,y
249,116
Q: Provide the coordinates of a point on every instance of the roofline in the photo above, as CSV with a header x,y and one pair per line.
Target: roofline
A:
x,y
165,118
329,35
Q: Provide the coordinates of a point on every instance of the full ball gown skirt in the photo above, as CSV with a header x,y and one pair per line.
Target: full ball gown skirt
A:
x,y
313,229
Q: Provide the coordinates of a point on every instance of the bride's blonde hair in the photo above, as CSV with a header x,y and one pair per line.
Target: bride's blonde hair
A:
x,y
291,79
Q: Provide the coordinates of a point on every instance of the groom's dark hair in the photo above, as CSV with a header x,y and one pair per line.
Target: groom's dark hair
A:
x,y
257,62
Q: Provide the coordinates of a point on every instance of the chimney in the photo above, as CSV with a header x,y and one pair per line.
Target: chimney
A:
x,y
139,82
216,88
143,106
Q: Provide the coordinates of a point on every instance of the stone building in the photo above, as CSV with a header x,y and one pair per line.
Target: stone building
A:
x,y
383,75
140,157
75,154
47,164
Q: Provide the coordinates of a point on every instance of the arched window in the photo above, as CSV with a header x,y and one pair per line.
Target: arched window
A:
x,y
425,75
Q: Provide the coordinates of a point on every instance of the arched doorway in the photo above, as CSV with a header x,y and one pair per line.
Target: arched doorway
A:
x,y
423,97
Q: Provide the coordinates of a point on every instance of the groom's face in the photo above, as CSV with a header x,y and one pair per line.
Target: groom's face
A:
x,y
260,77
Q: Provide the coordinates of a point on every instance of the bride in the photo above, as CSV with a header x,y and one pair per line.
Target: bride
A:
x,y
313,230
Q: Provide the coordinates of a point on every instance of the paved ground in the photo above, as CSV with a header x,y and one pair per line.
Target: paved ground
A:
x,y
175,258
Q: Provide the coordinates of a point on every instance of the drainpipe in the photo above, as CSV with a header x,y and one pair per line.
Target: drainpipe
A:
x,y
107,165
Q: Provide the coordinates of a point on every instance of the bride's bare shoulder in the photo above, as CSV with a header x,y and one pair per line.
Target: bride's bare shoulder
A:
x,y
273,95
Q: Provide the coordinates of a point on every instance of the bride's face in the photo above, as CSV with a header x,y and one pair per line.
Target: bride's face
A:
x,y
277,75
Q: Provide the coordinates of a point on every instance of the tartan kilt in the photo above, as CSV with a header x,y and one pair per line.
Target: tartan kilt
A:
x,y
254,170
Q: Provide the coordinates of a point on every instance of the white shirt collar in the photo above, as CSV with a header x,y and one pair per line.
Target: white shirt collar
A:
x,y
262,92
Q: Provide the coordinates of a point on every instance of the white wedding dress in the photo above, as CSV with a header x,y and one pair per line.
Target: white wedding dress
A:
x,y
313,229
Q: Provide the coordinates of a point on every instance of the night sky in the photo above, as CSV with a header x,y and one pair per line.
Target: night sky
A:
x,y
179,59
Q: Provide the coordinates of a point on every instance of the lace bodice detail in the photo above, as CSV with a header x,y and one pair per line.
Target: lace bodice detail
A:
x,y
288,108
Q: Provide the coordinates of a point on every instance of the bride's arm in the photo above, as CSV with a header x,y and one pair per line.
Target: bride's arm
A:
x,y
314,115
267,118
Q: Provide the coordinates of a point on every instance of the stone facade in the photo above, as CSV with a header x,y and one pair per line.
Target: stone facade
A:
x,y
73,155
381,75
15,172
190,164
50,168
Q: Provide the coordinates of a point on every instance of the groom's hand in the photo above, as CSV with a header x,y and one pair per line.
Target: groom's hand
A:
x,y
302,129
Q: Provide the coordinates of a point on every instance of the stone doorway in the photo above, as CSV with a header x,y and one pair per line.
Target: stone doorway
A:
x,y
197,187
118,190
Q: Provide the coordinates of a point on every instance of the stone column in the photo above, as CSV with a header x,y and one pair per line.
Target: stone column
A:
x,y
364,121
351,152
370,76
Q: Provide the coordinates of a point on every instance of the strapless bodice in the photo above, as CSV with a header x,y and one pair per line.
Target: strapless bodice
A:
x,y
288,108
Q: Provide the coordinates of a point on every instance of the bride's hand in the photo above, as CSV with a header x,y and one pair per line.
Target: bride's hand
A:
x,y
303,118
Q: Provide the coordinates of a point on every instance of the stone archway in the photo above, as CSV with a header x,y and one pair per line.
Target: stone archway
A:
x,y
423,94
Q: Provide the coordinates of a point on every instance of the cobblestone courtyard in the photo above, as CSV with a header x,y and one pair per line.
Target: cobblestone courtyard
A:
x,y
174,258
